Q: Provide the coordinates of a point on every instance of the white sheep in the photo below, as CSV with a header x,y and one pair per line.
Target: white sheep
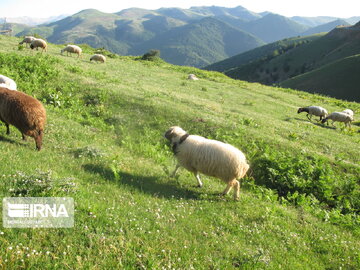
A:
x,y
27,40
192,77
38,43
213,158
314,110
7,83
98,58
349,112
72,49
339,117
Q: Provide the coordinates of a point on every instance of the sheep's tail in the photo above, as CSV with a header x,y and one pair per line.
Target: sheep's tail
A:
x,y
243,169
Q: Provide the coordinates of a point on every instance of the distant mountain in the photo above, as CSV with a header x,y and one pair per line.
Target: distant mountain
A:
x,y
325,27
184,36
195,36
353,20
15,27
273,27
206,40
313,21
30,21
323,64
237,12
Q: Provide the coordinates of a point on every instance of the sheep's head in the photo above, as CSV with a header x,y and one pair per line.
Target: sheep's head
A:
x,y
300,110
174,133
324,120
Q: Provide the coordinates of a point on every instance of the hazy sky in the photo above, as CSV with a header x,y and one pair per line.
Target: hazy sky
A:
x,y
47,8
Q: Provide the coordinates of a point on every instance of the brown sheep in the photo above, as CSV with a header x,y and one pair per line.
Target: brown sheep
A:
x,y
24,112
98,58
39,43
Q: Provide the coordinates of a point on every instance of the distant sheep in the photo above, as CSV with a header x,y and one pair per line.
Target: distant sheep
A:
x,y
213,158
349,112
38,43
24,112
314,110
98,58
72,49
192,77
339,117
27,40
7,83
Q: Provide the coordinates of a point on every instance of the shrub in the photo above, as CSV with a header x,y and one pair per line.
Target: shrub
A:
x,y
151,55
31,73
306,175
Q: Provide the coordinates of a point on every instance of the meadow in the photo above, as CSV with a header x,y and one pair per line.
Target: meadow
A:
x,y
104,147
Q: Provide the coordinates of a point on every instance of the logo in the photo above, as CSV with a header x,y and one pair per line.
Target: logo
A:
x,y
42,212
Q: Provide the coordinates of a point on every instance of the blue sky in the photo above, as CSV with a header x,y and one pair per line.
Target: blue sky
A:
x,y
47,8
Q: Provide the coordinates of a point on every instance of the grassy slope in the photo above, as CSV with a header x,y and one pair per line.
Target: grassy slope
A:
x,y
129,213
342,74
306,58
255,54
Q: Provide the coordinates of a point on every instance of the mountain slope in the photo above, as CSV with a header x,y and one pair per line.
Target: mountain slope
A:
x,y
338,79
264,28
200,43
259,53
313,21
238,12
340,43
325,27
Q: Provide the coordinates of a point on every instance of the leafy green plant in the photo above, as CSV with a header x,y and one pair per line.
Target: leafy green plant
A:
x,y
38,184
88,151
151,55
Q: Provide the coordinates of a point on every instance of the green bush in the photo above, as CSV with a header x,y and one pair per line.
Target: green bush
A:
x,y
32,74
294,175
151,55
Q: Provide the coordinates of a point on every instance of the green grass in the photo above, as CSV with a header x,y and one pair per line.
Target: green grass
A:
x,y
328,79
104,147
261,52
320,63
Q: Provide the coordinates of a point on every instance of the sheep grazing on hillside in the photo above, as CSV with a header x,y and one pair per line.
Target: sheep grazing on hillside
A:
x,y
24,112
27,40
38,43
339,117
192,77
7,83
349,112
98,58
72,49
314,110
213,158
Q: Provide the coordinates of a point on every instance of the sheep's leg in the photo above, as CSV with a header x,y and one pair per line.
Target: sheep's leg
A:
x,y
228,188
200,184
309,117
38,140
236,190
23,136
174,172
